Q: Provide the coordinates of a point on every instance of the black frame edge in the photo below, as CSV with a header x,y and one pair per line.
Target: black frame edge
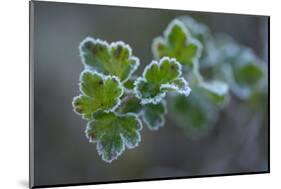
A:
x,y
165,9
151,179
31,95
268,132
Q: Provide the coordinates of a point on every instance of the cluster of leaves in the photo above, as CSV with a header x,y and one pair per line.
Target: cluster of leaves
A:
x,y
116,103
185,40
224,69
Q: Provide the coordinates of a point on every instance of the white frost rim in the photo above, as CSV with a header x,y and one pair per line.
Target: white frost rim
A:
x,y
189,39
136,60
124,142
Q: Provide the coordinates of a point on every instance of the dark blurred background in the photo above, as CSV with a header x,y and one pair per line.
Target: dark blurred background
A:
x,y
63,154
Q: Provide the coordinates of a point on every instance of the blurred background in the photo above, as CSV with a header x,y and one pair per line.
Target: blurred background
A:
x,y
62,153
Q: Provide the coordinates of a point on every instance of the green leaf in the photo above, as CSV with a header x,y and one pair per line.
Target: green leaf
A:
x,y
195,114
98,93
129,84
159,78
153,115
249,74
130,104
113,132
180,85
239,67
247,68
177,43
197,29
216,90
110,59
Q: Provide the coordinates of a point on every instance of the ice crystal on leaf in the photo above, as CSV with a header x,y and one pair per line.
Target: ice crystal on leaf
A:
x,y
177,43
159,78
110,59
113,132
98,93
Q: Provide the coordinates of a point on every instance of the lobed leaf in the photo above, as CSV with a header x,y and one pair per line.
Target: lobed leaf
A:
x,y
113,132
177,43
98,93
153,115
197,29
129,84
159,78
234,64
110,59
196,114
180,85
216,90
247,67
130,104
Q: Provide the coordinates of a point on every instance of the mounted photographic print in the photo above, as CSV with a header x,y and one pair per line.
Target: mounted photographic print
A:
x,y
121,94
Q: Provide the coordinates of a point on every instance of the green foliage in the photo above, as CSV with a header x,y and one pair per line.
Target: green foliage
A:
x,y
177,43
238,66
129,84
249,74
115,103
98,93
217,91
197,29
248,71
112,132
153,115
113,115
114,59
130,104
194,114
174,44
159,78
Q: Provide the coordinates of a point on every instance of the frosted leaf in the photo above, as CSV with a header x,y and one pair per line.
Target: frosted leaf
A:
x,y
113,132
98,92
195,114
179,85
216,90
130,104
110,59
177,43
197,29
159,78
154,115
